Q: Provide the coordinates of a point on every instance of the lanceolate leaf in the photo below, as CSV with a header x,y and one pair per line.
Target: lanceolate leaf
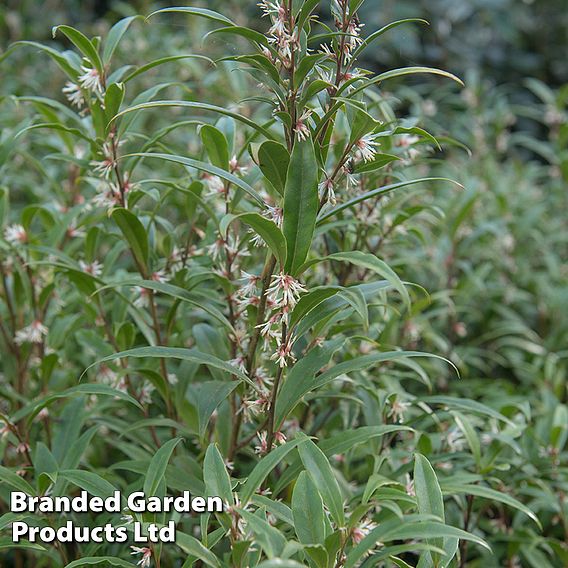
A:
x,y
376,193
177,353
307,508
199,106
300,203
273,160
264,227
158,465
135,234
205,167
320,471
217,481
429,497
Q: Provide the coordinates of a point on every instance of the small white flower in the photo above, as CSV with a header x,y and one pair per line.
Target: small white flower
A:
x,y
285,290
33,333
397,410
214,184
146,393
94,268
251,282
73,94
275,214
262,448
172,379
235,167
15,234
282,354
301,127
409,486
143,297
326,189
107,376
367,147
90,79
146,553
360,532
240,363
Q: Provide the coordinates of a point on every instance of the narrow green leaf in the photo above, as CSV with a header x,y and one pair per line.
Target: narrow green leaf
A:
x,y
217,480
203,166
300,203
273,161
308,512
135,234
89,481
199,106
92,560
158,465
115,35
177,353
264,467
267,229
209,395
376,193
216,146
320,471
203,12
83,44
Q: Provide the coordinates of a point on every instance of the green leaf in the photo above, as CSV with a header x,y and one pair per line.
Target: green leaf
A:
x,y
267,229
307,509
91,560
273,161
340,444
177,353
14,480
113,99
161,61
209,395
300,203
451,487
378,162
203,166
89,481
203,12
191,545
467,405
376,193
216,146
394,73
200,106
62,61
247,33
429,497
300,378
380,267
270,539
35,406
115,35
83,44
135,234
174,292
470,434
310,301
377,34
409,529
264,467
217,481
157,467
320,471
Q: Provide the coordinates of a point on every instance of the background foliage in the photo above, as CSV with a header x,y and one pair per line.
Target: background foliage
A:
x,y
491,257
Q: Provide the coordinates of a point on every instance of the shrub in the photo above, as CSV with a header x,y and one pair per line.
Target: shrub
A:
x,y
195,297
